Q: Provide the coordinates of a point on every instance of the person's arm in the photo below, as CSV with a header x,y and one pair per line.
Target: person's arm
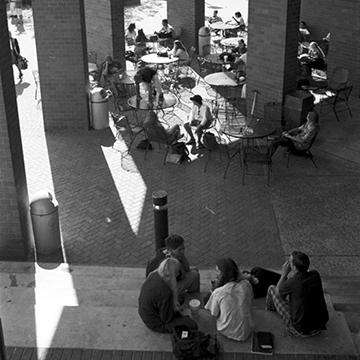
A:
x,y
284,276
166,309
205,118
212,305
192,114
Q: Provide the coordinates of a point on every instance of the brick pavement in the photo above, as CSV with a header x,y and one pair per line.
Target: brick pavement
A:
x,y
106,212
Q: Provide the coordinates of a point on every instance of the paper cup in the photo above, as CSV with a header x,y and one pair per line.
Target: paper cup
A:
x,y
194,306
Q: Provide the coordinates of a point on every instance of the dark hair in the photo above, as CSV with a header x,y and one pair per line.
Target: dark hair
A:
x,y
173,241
165,21
229,271
238,13
300,261
216,11
179,45
141,37
131,27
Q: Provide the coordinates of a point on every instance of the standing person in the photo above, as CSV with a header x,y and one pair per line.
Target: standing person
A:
x,y
158,305
231,301
300,138
149,77
15,53
201,117
130,35
298,297
188,279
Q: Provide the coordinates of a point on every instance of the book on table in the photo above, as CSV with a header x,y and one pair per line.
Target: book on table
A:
x,y
262,343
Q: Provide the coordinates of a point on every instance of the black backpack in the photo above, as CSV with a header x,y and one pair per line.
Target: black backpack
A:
x,y
180,148
189,344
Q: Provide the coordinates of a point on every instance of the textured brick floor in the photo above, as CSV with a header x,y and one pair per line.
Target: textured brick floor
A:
x,y
106,211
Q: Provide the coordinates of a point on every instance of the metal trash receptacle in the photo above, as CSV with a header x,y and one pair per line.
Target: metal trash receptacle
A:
x,y
44,211
204,41
99,108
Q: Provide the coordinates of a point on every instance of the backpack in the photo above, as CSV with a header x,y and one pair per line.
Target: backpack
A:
x,y
189,344
179,149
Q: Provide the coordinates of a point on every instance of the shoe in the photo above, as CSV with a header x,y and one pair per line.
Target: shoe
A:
x,y
190,142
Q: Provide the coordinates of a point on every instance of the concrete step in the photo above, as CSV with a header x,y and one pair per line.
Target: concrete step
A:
x,y
121,328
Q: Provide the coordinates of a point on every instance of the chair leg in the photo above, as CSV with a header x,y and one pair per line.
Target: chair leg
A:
x,y
166,153
287,158
244,168
268,173
312,158
207,159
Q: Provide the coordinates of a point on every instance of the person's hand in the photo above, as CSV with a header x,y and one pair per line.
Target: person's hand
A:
x,y
286,268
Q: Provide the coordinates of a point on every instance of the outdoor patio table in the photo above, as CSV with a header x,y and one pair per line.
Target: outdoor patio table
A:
x,y
158,60
223,26
231,42
221,79
214,58
170,100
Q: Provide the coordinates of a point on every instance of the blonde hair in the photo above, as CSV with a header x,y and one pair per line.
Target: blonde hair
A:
x,y
168,270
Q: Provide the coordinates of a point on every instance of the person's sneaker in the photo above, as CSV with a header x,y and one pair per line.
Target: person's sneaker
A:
x,y
191,142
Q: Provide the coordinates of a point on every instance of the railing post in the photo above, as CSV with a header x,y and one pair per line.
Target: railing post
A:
x,y
2,343
160,217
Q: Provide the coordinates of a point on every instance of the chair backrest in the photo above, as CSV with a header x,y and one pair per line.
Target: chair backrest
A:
x,y
121,122
209,141
155,131
339,78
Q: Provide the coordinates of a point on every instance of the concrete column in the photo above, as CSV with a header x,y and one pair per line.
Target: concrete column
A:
x,y
272,50
342,20
62,60
105,28
15,228
189,16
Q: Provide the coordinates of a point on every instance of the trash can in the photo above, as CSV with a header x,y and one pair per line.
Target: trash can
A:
x,y
45,223
99,107
204,41
296,107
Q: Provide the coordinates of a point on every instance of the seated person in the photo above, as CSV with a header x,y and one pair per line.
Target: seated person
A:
x,y
215,18
314,59
130,35
165,34
298,297
179,51
238,19
230,301
153,126
241,48
300,138
148,76
158,303
109,73
304,33
188,279
201,117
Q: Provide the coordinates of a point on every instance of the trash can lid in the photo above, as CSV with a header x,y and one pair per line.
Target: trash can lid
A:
x,y
43,203
204,31
98,94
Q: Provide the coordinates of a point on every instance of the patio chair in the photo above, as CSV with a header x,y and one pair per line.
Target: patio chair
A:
x,y
213,144
304,153
122,127
259,155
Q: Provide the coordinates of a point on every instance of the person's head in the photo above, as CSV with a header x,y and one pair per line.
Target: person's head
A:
x,y
178,45
238,14
131,27
175,245
108,59
141,37
313,118
299,261
302,24
215,14
165,22
197,100
227,271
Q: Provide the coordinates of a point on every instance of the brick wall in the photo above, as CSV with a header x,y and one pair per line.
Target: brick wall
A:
x,y
272,48
61,50
105,28
189,15
342,19
132,2
15,230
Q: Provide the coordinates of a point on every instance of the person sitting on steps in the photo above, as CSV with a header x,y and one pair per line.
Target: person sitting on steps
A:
x,y
189,278
201,117
298,297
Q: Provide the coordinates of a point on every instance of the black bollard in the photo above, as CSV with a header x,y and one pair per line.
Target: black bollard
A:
x,y
160,218
2,343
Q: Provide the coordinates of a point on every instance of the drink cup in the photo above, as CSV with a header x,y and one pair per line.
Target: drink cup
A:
x,y
194,306
225,58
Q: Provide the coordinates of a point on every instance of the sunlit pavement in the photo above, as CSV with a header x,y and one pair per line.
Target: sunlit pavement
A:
x,y
106,202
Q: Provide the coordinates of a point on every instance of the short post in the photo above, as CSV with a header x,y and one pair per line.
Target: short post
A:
x,y
160,218
2,343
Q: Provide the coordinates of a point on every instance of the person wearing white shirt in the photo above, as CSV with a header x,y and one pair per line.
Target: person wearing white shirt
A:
x,y
231,301
201,117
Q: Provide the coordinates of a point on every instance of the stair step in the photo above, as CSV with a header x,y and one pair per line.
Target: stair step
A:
x,y
353,320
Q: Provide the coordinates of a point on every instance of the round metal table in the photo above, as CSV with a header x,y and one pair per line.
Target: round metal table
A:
x,y
231,42
223,26
170,100
221,79
158,60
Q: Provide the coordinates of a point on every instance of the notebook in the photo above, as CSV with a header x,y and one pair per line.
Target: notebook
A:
x,y
262,343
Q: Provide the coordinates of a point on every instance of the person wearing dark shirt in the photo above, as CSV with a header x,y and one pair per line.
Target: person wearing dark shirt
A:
x,y
150,79
158,306
299,298
188,279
